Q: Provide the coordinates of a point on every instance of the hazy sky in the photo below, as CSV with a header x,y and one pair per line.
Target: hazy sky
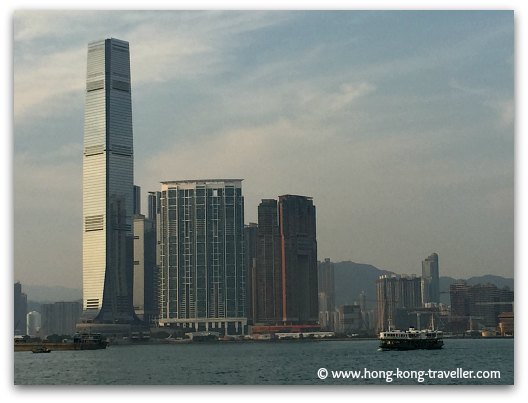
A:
x,y
398,124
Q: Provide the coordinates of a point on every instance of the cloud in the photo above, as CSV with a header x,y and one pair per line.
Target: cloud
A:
x,y
165,46
46,84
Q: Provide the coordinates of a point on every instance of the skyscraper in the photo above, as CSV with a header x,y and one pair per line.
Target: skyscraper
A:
x,y
297,227
397,298
20,305
108,185
430,280
268,268
202,255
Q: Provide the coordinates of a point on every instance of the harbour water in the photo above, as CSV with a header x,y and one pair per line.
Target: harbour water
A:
x,y
272,363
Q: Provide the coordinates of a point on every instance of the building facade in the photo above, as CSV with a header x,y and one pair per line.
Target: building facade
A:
x,y
397,298
350,319
478,306
108,185
33,320
268,265
298,243
145,290
250,254
325,278
430,280
20,307
202,276
60,317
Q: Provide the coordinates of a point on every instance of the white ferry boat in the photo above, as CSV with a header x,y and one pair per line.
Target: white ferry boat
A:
x,y
411,339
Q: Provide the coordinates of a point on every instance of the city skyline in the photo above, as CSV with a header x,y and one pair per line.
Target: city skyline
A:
x,y
285,93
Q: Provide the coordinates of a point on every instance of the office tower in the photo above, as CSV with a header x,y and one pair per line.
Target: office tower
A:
x,y
398,298
268,270
325,277
297,228
108,185
60,318
145,269
202,255
20,308
430,280
250,239
33,324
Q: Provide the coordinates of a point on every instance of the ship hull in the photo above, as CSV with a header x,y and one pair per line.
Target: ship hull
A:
x,y
411,344
59,346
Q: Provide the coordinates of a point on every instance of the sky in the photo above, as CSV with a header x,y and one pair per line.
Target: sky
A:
x,y
399,124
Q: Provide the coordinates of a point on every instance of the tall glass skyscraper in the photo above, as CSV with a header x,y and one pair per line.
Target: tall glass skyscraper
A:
x,y
430,280
108,185
202,277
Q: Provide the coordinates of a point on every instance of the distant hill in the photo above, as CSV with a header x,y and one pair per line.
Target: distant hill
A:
x,y
351,278
46,294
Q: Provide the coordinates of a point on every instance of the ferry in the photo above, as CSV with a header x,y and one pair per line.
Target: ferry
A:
x,y
411,339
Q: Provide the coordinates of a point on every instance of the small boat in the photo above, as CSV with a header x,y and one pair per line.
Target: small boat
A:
x,y
411,339
40,349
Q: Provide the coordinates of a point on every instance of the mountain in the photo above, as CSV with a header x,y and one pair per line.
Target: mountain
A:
x,y
45,294
351,278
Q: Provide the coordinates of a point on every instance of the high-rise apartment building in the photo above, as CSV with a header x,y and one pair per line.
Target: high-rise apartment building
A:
x,y
202,275
430,280
298,243
397,297
108,185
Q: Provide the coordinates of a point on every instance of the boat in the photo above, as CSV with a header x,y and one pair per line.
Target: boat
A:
x,y
81,341
40,349
411,339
